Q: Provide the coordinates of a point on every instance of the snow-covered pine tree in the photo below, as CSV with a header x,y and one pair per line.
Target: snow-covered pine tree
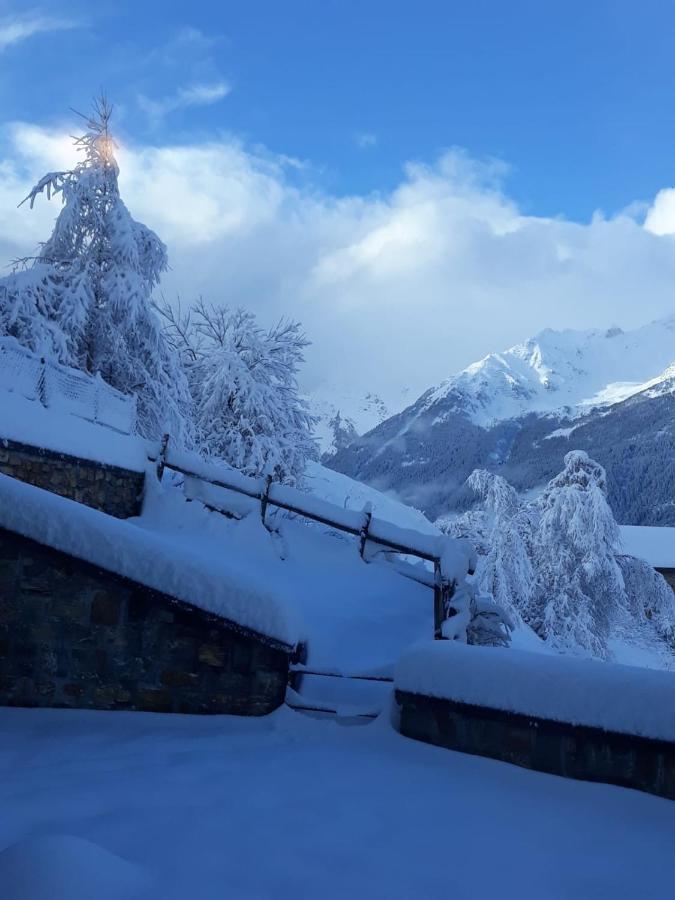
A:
x,y
343,430
649,596
85,299
579,589
243,382
505,567
553,562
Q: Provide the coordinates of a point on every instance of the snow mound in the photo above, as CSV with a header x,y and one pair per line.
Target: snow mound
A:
x,y
566,689
63,867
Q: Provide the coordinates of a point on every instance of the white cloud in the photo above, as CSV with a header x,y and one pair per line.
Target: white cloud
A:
x,y
660,218
17,28
192,95
394,289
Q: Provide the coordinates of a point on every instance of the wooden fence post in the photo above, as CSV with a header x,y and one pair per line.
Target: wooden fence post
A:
x,y
97,395
439,601
363,534
42,383
265,498
161,459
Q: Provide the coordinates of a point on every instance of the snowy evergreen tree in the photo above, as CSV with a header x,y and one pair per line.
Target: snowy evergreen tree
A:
x,y
243,382
85,299
555,562
579,588
343,430
649,596
505,567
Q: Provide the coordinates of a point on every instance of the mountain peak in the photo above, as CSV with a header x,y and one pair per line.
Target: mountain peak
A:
x,y
558,371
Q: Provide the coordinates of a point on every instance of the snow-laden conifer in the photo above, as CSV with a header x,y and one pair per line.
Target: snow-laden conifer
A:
x,y
505,567
556,562
243,381
85,298
343,431
579,588
650,598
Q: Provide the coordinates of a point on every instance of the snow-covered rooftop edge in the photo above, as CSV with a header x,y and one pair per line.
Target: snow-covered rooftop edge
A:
x,y
656,545
125,549
566,689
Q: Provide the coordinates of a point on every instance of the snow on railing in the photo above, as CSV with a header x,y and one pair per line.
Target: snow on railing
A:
x,y
65,389
451,558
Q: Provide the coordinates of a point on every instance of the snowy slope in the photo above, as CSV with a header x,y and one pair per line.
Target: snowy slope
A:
x,y
355,617
350,494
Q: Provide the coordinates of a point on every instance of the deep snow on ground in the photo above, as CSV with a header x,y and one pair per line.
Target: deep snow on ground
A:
x,y
178,807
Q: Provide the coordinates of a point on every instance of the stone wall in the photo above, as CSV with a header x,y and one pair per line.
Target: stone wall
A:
x,y
115,491
72,635
573,751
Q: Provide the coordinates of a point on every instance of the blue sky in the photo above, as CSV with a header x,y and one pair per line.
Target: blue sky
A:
x,y
576,98
419,183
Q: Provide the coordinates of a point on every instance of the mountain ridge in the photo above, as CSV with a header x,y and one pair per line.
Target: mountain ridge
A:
x,y
518,412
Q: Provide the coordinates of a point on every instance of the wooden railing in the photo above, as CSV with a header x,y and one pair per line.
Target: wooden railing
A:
x,y
369,530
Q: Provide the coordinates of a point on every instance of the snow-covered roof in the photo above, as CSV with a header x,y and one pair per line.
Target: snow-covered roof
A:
x,y
145,556
587,692
655,545
28,422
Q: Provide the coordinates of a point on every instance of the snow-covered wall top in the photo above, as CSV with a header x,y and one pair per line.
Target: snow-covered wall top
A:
x,y
28,422
62,387
655,545
149,558
566,689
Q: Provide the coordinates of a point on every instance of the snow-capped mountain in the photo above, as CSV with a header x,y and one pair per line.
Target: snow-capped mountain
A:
x,y
559,371
609,392
343,415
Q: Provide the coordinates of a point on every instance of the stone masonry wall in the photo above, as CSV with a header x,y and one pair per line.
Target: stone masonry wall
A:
x,y
115,491
573,751
72,635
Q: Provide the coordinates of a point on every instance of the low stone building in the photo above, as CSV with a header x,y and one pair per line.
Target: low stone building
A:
x,y
96,612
